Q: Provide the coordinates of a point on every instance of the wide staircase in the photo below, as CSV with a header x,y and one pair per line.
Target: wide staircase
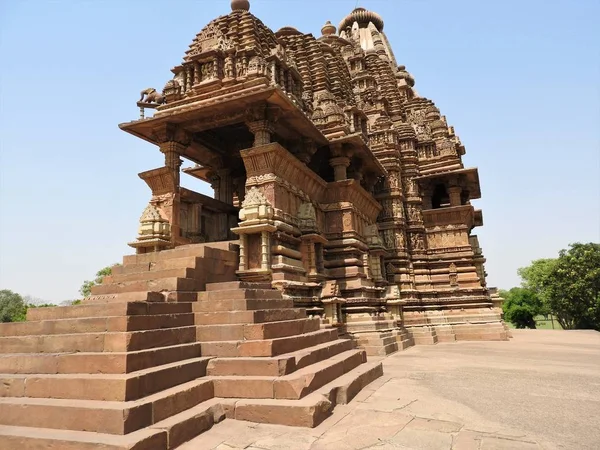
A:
x,y
160,353
379,335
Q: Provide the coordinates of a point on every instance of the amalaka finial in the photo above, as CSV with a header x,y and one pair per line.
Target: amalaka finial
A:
x,y
240,5
328,29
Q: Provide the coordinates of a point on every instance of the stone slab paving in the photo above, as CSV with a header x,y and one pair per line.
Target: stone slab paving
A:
x,y
541,390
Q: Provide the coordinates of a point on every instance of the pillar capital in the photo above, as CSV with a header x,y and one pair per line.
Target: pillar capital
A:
x,y
343,161
171,134
262,130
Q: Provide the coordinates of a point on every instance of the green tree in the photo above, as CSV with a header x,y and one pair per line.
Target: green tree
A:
x,y
569,286
535,276
520,307
86,287
12,307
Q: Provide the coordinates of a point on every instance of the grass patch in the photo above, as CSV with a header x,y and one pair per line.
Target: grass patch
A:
x,y
542,323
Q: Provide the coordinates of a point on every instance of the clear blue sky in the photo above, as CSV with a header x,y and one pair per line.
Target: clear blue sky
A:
x,y
519,79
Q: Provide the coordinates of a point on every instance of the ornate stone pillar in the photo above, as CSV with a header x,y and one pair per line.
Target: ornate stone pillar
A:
x,y
427,194
225,186
215,184
197,78
454,193
265,251
340,165
255,231
243,247
173,162
172,150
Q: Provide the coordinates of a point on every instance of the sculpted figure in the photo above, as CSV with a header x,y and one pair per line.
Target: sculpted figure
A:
x,y
229,67
152,96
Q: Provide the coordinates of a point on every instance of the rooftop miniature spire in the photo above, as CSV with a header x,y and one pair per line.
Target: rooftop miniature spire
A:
x,y
240,5
328,29
366,28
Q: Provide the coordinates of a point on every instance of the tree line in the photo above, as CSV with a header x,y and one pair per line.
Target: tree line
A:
x,y
567,287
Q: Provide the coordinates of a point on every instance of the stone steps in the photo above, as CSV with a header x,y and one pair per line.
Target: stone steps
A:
x,y
423,335
404,340
211,250
155,284
383,342
260,331
268,347
375,338
277,365
156,374
311,410
97,324
235,285
239,294
252,316
192,422
106,387
138,296
241,304
181,272
109,417
292,386
177,428
98,342
95,363
107,310
12,437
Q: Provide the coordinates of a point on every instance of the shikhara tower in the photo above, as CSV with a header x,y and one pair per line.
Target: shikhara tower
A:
x,y
341,226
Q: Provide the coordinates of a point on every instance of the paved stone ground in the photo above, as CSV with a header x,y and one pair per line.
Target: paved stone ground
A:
x,y
541,390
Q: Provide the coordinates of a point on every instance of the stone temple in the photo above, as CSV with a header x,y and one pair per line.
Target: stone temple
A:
x,y
341,226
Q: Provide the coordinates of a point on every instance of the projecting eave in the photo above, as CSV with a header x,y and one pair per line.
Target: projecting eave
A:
x,y
220,110
468,179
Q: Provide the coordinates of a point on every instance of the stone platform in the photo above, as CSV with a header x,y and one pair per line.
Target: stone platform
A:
x,y
538,391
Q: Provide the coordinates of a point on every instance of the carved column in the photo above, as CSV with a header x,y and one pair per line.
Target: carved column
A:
x,y
255,231
243,247
172,151
225,186
340,165
265,250
427,194
215,184
197,74
454,193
